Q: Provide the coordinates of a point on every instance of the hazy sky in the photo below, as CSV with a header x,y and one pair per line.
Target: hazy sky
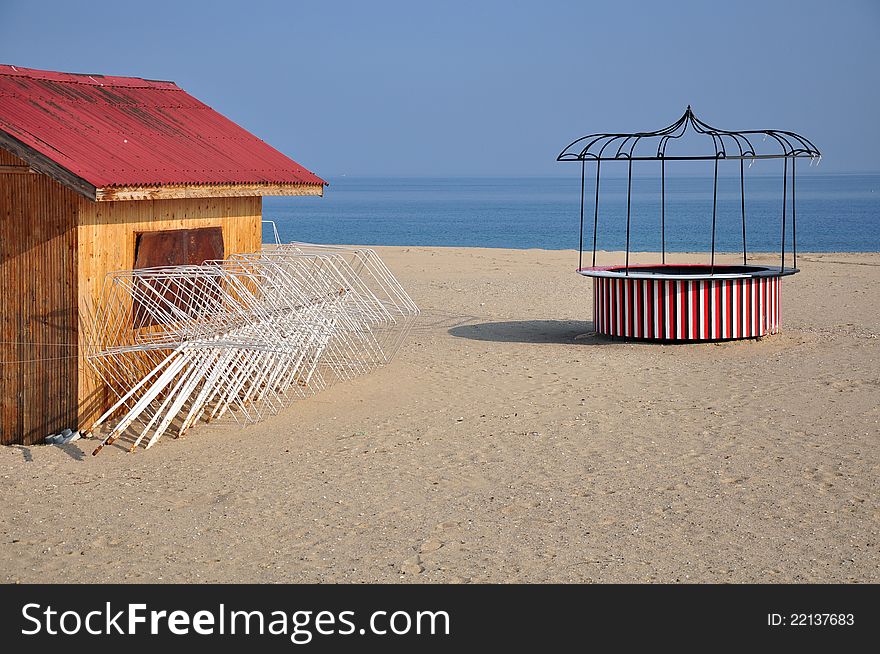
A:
x,y
485,88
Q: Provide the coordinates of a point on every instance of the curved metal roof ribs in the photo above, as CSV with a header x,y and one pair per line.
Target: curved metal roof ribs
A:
x,y
726,144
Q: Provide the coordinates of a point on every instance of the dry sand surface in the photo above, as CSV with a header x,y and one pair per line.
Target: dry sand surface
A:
x,y
505,443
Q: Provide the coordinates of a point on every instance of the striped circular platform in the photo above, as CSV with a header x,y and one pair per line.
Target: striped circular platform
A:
x,y
686,303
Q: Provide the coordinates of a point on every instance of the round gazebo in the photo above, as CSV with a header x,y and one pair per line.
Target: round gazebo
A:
x,y
692,302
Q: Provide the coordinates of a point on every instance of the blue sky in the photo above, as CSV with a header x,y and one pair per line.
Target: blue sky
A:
x,y
480,88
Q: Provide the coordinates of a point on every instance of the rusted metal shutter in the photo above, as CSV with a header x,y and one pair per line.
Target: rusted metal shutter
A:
x,y
175,247
178,247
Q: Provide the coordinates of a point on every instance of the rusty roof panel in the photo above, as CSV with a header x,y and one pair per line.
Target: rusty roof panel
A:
x,y
125,131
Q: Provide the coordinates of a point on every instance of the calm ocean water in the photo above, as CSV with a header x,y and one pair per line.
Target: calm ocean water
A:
x,y
835,212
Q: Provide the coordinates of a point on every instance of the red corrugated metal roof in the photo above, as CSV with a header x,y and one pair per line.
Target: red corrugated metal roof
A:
x,y
125,131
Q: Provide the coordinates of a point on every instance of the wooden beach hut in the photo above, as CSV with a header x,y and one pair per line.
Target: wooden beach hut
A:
x,y
100,174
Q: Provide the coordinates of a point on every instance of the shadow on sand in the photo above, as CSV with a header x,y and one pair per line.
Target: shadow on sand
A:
x,y
69,449
566,332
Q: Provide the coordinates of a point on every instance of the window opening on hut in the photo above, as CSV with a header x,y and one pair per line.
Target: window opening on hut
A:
x,y
175,247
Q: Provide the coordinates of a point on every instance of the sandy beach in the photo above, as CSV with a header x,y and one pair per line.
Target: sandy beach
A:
x,y
505,443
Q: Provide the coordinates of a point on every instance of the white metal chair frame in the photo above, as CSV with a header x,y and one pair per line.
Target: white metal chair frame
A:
x,y
245,336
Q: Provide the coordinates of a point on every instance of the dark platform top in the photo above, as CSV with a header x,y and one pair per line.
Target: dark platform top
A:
x,y
687,271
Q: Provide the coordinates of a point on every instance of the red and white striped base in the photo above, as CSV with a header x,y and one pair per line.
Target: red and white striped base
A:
x,y
686,309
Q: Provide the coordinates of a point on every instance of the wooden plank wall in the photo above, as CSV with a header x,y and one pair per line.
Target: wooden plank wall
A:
x,y
107,236
38,307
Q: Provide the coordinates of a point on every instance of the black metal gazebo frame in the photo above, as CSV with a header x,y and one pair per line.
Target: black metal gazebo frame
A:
x,y
735,145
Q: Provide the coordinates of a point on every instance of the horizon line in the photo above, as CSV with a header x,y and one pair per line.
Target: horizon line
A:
x,y
560,175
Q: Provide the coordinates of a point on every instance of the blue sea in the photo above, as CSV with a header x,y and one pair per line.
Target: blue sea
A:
x,y
835,212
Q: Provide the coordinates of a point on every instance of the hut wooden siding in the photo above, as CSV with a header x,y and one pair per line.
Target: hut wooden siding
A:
x,y
38,304
56,248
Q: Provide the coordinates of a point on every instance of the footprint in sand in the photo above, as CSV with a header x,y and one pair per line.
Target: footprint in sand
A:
x,y
446,526
441,535
412,566
825,478
430,546
415,565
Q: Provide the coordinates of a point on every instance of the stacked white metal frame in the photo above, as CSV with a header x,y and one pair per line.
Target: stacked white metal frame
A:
x,y
245,336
